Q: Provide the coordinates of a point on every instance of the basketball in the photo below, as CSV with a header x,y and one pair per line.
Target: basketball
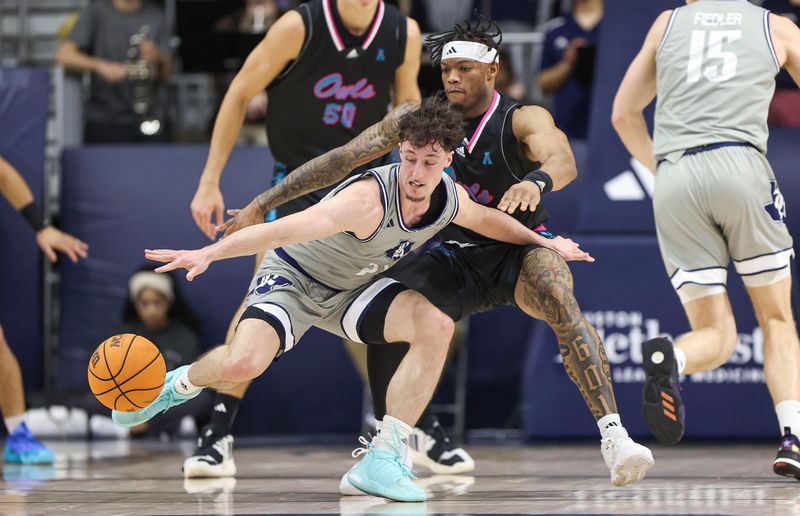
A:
x,y
126,372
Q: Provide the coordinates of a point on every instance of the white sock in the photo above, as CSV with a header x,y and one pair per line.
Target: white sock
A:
x,y
183,385
390,429
378,426
13,422
680,358
608,424
789,415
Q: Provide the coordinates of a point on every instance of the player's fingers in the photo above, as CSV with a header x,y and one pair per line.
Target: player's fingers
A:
x,y
233,212
512,206
523,205
168,267
51,255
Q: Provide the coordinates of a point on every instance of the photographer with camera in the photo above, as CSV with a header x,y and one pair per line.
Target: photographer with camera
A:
x,y
123,43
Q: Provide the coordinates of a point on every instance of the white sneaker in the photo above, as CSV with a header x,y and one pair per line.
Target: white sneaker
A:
x,y
213,458
627,460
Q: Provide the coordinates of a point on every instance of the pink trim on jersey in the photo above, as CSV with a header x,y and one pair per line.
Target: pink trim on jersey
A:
x,y
486,116
337,39
375,26
540,227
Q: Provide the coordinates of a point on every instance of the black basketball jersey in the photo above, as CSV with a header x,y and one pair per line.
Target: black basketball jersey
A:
x,y
339,84
488,162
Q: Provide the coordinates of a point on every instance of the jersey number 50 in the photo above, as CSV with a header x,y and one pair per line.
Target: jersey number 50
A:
x,y
335,113
721,63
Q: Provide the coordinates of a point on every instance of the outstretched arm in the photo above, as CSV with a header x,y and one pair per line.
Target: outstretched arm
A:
x,y
636,91
356,208
499,226
541,141
325,170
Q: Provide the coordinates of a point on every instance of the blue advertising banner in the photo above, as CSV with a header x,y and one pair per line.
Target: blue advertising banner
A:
x,y
628,298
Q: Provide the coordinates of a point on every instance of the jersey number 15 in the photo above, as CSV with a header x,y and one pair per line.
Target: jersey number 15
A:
x,y
720,65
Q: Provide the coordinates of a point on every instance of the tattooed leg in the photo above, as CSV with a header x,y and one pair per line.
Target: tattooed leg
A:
x,y
544,291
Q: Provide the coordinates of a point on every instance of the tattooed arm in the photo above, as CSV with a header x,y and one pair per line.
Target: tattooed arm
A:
x,y
544,291
324,170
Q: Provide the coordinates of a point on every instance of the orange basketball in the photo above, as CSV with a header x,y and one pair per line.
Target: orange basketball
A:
x,y
126,372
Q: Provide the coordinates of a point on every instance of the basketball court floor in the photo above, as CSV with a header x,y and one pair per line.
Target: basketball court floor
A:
x,y
144,478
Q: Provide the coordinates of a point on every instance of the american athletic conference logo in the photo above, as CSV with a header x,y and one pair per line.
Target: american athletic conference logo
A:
x,y
400,250
265,284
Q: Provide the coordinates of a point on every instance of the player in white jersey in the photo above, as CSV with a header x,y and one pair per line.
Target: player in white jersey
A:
x,y
712,67
320,272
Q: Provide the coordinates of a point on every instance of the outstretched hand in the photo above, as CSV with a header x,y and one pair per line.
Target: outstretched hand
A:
x,y
568,249
196,262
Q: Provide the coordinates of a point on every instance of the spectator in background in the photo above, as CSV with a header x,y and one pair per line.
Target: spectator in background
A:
x,y
123,43
21,446
568,65
784,111
156,311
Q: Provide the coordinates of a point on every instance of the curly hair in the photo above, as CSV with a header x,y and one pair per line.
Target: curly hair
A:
x,y
434,122
483,30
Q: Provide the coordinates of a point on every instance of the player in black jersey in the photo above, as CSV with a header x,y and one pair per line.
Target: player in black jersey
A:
x,y
331,68
511,157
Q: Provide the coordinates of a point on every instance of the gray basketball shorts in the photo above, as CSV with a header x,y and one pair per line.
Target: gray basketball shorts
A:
x,y
291,303
716,206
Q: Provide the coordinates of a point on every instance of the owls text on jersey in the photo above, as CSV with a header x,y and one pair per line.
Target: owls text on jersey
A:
x,y
339,84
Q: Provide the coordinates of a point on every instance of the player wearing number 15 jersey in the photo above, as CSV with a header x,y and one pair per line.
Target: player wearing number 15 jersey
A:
x,y
331,69
712,65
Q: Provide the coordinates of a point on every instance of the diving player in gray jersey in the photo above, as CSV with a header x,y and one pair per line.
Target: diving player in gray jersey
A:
x,y
712,67
322,271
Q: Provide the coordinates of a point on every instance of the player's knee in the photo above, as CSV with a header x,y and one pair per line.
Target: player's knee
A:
x,y
242,365
432,325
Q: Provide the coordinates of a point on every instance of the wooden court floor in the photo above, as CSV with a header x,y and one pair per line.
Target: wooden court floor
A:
x,y
144,478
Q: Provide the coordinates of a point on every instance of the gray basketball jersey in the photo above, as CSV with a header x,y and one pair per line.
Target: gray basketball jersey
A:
x,y
344,261
715,69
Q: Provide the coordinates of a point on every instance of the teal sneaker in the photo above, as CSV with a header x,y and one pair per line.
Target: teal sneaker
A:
x,y
23,448
168,397
382,473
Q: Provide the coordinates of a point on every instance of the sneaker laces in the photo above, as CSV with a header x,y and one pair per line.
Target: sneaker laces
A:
x,y
367,442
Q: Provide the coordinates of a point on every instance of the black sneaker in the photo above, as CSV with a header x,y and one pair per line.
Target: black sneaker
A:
x,y
661,405
787,463
213,458
431,447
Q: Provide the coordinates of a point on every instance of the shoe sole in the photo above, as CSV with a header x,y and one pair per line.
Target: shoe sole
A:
x,y
201,469
786,467
422,459
375,489
664,415
632,470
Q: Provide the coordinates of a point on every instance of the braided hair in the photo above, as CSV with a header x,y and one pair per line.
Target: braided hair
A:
x,y
483,30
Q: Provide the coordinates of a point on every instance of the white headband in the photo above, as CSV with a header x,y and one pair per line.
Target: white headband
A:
x,y
146,279
470,50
